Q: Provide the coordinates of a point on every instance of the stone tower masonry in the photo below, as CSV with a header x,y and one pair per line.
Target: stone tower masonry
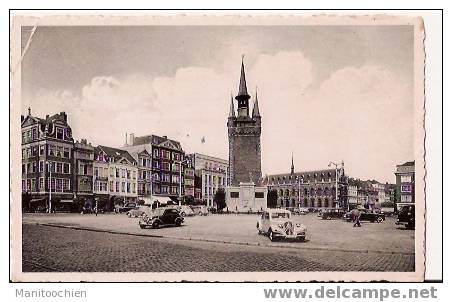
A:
x,y
244,132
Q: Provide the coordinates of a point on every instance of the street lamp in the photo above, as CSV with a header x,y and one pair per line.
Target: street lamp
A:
x,y
337,192
49,165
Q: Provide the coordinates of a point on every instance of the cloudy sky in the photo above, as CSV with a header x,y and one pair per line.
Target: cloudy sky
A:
x,y
326,93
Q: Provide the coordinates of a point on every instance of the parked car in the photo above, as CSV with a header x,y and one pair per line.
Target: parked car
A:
x,y
333,214
161,217
200,210
406,216
138,211
277,223
367,215
186,211
125,208
301,211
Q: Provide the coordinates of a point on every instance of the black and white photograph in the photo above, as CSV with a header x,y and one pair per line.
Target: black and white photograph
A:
x,y
206,148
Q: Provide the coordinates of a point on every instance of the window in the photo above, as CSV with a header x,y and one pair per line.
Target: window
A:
x,y
405,178
164,189
166,166
66,153
165,154
123,186
156,152
24,139
66,168
51,150
175,167
41,166
175,156
59,133
259,195
41,150
24,153
174,190
59,167
156,164
235,194
175,178
28,153
111,186
24,170
166,177
117,186
41,183
34,151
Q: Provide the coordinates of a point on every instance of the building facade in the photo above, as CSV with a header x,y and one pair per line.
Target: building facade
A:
x,y
47,146
83,157
211,173
310,189
405,180
115,177
352,193
244,133
168,164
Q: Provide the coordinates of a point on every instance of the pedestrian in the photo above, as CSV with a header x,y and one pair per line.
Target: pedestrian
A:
x,y
356,216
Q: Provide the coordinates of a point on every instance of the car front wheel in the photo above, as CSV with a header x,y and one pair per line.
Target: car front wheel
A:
x,y
380,219
178,223
271,235
155,225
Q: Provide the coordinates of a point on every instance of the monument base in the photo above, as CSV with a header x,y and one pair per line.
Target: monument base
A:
x,y
246,198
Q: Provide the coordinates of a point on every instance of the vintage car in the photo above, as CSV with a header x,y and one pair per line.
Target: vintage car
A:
x,y
277,223
125,208
138,211
200,210
333,214
406,216
186,211
161,217
300,211
367,215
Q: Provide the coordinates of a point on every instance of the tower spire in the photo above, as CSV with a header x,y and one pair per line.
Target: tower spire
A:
x,y
243,91
292,168
256,112
231,109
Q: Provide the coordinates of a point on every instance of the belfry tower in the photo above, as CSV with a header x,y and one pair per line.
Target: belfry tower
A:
x,y
244,132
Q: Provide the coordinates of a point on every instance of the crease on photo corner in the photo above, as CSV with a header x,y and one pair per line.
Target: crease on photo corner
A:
x,y
24,51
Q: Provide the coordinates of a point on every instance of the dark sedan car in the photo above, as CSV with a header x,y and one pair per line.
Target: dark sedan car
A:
x,y
367,216
161,217
333,214
406,217
126,208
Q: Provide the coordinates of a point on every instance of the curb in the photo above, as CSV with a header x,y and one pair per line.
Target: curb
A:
x,y
221,241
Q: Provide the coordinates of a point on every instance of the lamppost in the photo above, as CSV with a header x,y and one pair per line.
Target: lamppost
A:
x,y
180,179
336,174
49,165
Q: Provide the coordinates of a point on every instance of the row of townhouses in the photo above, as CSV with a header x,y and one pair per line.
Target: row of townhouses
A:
x,y
64,173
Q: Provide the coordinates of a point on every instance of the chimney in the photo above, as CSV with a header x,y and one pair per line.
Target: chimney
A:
x,y
47,116
165,137
132,139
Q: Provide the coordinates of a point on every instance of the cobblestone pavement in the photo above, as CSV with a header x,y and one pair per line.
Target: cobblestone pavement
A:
x,y
51,248
322,234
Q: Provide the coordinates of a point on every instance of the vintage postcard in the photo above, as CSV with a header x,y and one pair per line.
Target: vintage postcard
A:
x,y
217,148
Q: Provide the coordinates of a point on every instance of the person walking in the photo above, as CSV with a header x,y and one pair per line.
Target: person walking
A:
x,y
356,216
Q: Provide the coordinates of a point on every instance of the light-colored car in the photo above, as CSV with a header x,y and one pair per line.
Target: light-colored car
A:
x,y
303,211
200,210
278,223
138,211
186,211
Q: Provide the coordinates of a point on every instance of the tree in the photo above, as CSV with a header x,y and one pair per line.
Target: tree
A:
x,y
272,198
220,199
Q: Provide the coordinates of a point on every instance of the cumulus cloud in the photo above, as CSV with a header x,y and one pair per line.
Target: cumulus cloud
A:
x,y
360,114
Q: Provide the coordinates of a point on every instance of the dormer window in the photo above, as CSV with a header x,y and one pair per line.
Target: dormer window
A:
x,y
59,133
